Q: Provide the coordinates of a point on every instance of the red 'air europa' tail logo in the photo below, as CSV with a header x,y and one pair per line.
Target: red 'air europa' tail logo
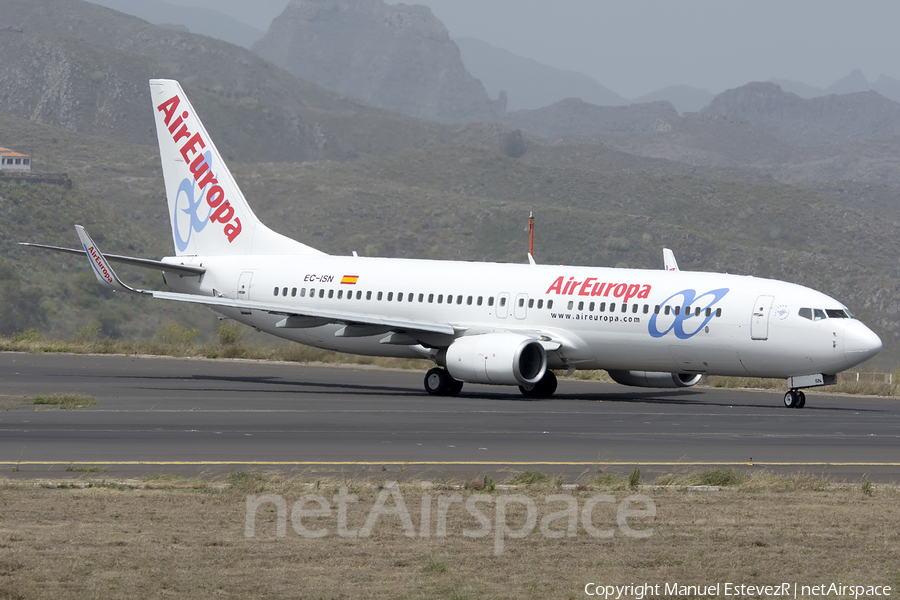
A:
x,y
191,151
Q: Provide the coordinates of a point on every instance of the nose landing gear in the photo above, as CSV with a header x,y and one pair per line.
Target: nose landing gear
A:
x,y
794,399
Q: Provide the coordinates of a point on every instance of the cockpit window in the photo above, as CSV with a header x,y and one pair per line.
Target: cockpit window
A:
x,y
834,313
818,314
806,313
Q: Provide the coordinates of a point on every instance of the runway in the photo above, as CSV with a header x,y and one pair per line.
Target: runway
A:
x,y
161,415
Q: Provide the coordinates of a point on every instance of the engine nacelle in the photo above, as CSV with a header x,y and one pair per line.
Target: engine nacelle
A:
x,y
497,358
654,379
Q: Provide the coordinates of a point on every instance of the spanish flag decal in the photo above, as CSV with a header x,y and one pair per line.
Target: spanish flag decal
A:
x,y
349,279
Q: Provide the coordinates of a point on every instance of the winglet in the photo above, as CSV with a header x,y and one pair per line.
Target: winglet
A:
x,y
669,260
102,269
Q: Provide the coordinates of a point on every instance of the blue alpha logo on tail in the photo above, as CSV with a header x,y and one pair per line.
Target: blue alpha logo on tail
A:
x,y
690,316
188,201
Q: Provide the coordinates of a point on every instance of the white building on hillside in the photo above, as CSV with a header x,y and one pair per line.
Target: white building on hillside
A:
x,y
14,160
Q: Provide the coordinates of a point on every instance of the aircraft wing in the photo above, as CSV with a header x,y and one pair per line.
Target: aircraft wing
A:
x,y
108,278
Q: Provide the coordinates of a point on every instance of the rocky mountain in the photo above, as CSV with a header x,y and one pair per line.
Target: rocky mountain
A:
x,y
854,82
88,69
574,119
825,120
398,56
683,97
529,84
206,21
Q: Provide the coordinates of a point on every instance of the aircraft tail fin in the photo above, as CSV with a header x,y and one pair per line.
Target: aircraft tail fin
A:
x,y
208,211
669,262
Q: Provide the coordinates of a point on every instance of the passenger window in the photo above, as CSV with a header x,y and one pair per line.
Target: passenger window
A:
x,y
421,298
571,304
677,310
591,307
440,298
634,308
624,307
321,293
646,309
687,311
490,300
390,296
380,296
459,299
540,304
430,298
409,297
303,292
293,292
276,292
331,293
469,300
340,294
502,301
818,314
708,312
368,295
359,295
612,307
284,292
581,306
602,307
521,302
656,310
668,309
697,311
549,304
480,300
718,312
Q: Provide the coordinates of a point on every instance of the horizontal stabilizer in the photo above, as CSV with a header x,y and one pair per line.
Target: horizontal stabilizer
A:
x,y
129,260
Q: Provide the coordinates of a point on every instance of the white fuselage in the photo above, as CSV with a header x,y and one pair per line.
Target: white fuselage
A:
x,y
624,319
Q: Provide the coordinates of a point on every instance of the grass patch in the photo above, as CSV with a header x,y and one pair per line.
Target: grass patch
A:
x,y
65,401
82,469
247,482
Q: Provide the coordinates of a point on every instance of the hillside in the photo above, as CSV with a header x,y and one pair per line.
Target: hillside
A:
x,y
573,118
829,119
89,74
396,56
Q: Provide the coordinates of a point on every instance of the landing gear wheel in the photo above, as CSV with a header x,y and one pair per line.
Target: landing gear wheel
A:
x,y
795,399
439,383
542,389
791,399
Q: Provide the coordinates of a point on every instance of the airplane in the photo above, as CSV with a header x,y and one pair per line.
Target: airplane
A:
x,y
480,322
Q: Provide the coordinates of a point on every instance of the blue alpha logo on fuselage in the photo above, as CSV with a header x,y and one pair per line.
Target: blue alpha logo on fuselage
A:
x,y
689,314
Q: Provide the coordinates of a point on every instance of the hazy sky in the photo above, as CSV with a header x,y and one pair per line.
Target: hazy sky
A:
x,y
638,46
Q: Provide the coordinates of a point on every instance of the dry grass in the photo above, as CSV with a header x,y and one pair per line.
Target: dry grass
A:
x,y
188,541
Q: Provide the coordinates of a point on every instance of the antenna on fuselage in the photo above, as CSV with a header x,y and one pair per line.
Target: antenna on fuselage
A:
x,y
531,237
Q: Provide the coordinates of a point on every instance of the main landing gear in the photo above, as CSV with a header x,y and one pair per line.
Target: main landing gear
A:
x,y
439,383
542,389
794,399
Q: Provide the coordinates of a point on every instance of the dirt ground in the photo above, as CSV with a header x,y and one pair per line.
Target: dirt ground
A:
x,y
190,539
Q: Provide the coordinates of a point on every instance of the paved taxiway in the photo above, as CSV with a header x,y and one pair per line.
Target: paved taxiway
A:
x,y
193,416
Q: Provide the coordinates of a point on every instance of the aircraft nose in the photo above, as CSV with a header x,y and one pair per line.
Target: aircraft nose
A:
x,y
860,343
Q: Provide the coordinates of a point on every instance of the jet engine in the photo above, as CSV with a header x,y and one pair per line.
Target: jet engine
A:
x,y
654,379
497,358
